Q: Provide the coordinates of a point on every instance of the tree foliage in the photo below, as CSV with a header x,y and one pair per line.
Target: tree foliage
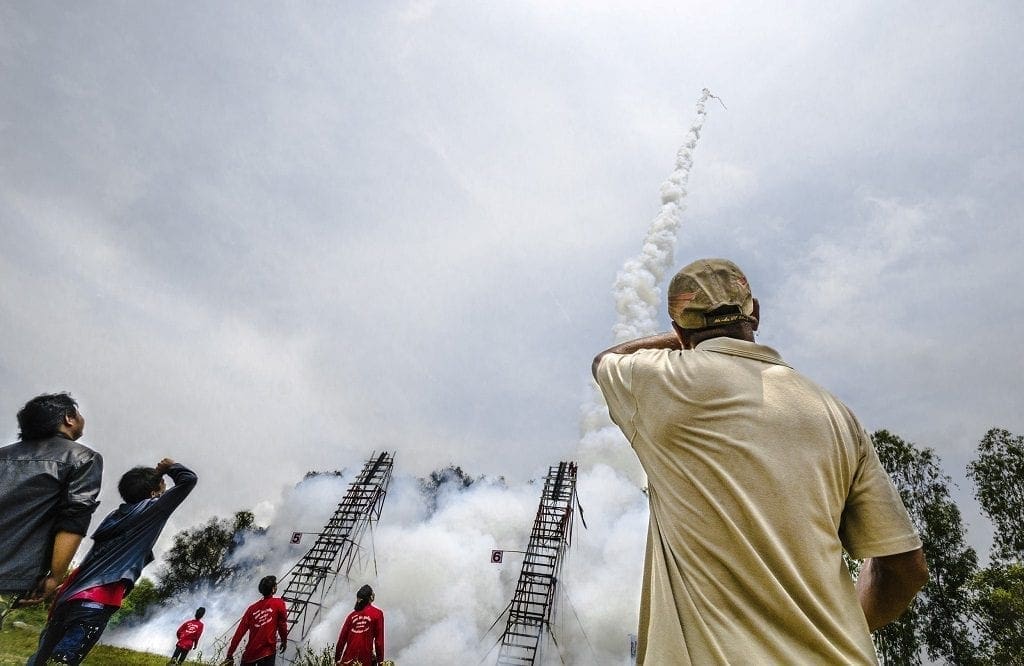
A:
x,y
142,597
998,475
999,605
447,477
938,620
201,555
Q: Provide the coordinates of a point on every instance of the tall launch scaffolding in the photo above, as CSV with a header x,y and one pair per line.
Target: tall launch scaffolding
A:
x,y
337,547
533,605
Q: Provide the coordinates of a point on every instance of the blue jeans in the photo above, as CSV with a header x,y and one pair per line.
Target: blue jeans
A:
x,y
72,630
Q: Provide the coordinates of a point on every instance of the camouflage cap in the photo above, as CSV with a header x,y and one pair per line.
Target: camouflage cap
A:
x,y
709,285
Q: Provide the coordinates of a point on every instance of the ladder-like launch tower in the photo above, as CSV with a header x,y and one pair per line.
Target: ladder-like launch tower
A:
x,y
337,547
533,604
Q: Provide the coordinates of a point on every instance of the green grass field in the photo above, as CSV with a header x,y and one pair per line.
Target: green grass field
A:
x,y
20,634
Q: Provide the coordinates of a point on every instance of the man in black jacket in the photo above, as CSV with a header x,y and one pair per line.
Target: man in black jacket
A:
x,y
48,489
123,545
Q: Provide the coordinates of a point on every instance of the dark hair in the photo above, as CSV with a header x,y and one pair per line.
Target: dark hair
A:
x,y
200,612
42,416
138,483
267,585
363,597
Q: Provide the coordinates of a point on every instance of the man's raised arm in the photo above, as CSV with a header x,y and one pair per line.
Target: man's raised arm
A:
x,y
667,340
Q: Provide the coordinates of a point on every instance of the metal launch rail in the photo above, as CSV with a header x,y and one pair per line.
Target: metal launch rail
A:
x,y
533,604
336,548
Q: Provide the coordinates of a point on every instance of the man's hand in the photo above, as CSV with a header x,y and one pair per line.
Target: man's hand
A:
x,y
164,465
42,592
284,646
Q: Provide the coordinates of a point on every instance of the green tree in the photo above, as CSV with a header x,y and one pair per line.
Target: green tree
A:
x,y
201,555
939,618
998,475
143,596
999,605
446,477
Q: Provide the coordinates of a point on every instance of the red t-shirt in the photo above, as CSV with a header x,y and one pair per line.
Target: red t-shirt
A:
x,y
189,633
362,637
111,594
262,620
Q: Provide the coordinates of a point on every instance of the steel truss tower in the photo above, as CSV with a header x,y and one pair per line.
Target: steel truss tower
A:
x,y
533,604
337,547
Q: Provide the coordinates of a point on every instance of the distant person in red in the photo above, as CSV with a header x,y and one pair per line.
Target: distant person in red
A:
x,y
262,621
361,640
188,637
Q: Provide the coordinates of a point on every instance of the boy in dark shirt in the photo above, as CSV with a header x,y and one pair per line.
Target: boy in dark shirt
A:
x,y
123,545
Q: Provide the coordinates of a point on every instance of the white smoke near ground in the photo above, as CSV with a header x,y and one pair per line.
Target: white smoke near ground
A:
x,y
428,558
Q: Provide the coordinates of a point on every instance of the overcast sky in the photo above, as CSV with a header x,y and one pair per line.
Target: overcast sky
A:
x,y
264,238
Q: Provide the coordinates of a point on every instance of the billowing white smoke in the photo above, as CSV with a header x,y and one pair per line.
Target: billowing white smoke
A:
x,y
429,559
434,579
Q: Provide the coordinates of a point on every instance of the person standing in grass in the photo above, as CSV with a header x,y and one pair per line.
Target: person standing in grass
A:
x,y
188,637
49,483
361,640
264,621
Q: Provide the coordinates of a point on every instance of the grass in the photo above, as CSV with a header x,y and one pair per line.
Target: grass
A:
x,y
20,635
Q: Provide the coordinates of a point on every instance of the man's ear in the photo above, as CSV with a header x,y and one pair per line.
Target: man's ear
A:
x,y
757,314
684,339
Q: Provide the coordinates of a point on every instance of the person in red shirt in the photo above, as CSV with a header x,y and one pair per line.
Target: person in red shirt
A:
x,y
188,637
261,621
361,640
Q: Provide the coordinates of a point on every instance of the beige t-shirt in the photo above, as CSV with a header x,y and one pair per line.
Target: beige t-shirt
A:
x,y
757,479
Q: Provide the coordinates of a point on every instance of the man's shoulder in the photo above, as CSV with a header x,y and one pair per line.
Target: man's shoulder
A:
x,y
641,357
52,449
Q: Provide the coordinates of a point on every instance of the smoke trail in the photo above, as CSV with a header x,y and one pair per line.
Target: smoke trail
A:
x,y
637,294
636,288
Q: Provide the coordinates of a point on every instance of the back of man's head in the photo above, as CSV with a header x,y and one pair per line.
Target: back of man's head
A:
x,y
42,416
712,297
267,585
139,483
200,612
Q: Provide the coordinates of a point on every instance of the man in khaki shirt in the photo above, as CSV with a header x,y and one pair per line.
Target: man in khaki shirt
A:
x,y
758,479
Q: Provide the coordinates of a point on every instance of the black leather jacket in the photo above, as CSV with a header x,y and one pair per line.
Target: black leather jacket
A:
x,y
46,486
